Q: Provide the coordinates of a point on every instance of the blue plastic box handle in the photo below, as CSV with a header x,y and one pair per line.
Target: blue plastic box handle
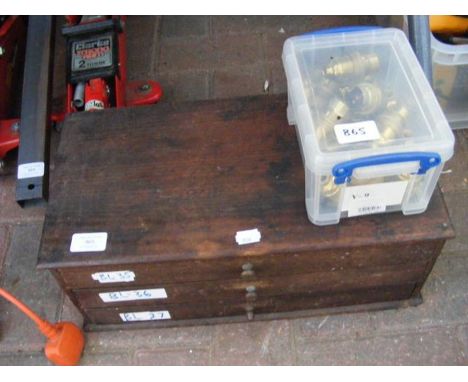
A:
x,y
343,171
355,28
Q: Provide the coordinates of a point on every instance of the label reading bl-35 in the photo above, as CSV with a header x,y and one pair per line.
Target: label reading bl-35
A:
x,y
145,316
114,277
373,198
133,295
356,132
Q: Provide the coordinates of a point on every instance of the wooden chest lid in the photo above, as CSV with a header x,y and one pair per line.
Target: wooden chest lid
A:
x,y
177,181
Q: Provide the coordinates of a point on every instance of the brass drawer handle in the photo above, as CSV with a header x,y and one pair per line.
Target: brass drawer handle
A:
x,y
247,271
250,297
249,311
251,294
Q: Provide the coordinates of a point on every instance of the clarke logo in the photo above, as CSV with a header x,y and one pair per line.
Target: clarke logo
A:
x,y
92,48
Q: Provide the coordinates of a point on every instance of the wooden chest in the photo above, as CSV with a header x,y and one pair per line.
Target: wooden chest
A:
x,y
171,185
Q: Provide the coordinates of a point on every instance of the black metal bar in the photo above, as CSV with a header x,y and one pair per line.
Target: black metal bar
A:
x,y
420,38
94,27
33,156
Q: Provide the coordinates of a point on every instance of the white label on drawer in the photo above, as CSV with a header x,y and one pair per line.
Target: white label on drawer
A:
x,y
248,237
373,198
133,295
356,132
114,277
30,170
145,316
89,242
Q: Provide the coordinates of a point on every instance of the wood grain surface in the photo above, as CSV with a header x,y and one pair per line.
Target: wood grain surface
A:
x,y
176,182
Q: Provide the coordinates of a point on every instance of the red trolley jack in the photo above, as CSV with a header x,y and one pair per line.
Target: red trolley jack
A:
x,y
96,71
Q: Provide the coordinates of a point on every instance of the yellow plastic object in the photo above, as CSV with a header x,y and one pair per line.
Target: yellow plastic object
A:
x,y
448,24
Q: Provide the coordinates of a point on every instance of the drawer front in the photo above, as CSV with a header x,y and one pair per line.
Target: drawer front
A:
x,y
260,267
250,290
160,313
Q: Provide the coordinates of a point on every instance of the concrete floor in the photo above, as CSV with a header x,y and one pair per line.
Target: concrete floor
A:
x,y
219,57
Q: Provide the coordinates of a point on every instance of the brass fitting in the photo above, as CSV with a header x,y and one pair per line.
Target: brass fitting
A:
x,y
329,187
390,125
337,110
365,98
355,64
324,90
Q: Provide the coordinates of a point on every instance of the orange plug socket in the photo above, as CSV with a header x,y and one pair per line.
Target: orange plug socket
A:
x,y
64,348
65,340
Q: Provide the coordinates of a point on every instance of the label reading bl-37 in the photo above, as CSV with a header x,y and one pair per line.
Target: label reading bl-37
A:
x,y
145,316
356,132
373,198
92,53
133,295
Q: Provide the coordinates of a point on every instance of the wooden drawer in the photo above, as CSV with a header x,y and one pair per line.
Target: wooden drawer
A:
x,y
252,290
267,305
370,257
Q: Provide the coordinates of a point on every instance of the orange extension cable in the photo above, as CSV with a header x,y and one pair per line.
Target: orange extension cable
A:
x,y
65,340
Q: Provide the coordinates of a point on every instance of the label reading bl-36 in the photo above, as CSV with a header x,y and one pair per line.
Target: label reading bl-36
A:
x,y
356,132
373,198
145,316
114,277
133,295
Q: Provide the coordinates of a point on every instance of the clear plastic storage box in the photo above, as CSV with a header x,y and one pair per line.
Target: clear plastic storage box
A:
x,y
450,80
373,137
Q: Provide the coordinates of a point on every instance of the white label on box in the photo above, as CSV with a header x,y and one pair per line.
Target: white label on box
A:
x,y
114,277
89,242
356,132
145,316
366,208
133,295
30,170
373,198
248,236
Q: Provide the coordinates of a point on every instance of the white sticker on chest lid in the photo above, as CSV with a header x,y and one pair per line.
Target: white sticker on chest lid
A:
x,y
248,236
88,242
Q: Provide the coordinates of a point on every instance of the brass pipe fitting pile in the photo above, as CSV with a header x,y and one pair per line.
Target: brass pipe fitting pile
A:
x,y
350,83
